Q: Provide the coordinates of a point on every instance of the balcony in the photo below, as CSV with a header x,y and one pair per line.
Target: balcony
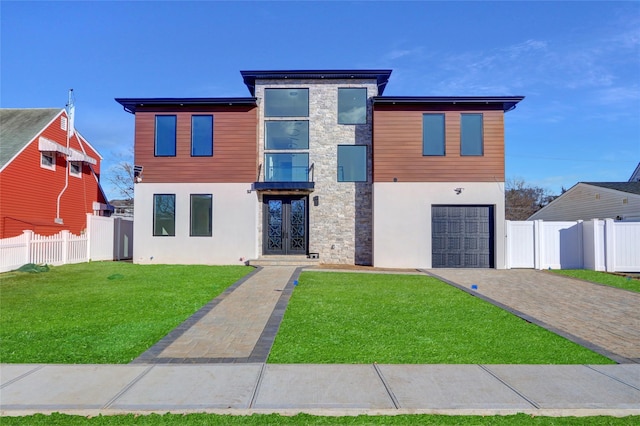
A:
x,y
285,173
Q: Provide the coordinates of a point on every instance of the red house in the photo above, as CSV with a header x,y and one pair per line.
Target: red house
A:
x,y
49,174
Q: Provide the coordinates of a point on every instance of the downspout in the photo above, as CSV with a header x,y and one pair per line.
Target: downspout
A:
x,y
58,219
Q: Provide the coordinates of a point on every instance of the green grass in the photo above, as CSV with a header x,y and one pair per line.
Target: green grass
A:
x,y
612,280
413,319
305,419
101,312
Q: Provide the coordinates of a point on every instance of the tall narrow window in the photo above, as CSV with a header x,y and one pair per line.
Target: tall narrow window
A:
x,y
352,105
201,215
352,163
471,138
201,135
433,134
165,143
286,102
164,215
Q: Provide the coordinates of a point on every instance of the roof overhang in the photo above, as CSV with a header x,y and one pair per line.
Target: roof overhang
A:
x,y
131,104
507,103
381,76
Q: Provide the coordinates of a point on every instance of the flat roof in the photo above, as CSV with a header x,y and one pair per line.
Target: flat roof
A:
x,y
508,102
130,104
381,76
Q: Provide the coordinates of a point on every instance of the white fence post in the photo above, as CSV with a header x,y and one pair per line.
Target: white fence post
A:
x,y
609,245
28,235
65,246
89,229
538,242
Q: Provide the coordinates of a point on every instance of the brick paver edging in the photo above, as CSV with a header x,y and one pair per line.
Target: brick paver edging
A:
x,y
575,339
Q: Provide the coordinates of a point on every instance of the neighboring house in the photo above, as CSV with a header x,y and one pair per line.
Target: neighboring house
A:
x,y
319,163
635,176
594,200
49,180
122,208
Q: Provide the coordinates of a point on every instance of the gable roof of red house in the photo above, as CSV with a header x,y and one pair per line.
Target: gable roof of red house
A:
x,y
18,127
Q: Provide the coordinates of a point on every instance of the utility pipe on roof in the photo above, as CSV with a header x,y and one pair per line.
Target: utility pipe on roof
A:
x,y
58,219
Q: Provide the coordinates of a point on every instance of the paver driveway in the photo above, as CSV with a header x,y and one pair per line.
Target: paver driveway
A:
x,y
604,319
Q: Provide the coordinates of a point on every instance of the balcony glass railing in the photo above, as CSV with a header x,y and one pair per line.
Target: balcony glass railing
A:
x,y
286,167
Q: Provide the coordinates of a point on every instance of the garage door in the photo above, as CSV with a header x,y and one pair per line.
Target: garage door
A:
x,y
462,236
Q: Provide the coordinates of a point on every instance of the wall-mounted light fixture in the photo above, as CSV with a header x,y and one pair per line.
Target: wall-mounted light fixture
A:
x,y
137,174
458,191
316,201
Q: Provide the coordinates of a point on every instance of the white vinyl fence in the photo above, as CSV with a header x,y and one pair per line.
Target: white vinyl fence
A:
x,y
106,238
599,245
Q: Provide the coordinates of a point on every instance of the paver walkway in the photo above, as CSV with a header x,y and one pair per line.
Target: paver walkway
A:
x,y
602,318
238,326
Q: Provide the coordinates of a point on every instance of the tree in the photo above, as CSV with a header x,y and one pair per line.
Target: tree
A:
x,y
121,176
523,200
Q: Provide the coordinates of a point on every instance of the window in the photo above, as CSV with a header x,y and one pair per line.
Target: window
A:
x,y
352,106
286,167
165,136
201,135
286,102
433,134
48,160
471,134
164,215
63,123
352,163
287,134
201,213
75,168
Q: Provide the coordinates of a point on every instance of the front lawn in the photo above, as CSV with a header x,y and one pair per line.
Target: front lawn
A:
x,y
101,312
395,319
605,278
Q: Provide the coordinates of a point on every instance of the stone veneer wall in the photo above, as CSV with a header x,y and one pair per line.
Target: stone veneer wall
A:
x,y
340,227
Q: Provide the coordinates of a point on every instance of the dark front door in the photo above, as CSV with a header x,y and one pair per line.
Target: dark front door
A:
x,y
285,225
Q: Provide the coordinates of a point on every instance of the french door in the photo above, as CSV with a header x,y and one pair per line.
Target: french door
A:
x,y
285,225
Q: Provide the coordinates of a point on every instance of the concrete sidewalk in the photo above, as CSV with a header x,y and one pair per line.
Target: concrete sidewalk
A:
x,y
553,390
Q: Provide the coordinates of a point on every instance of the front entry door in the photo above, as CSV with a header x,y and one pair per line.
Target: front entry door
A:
x,y
285,225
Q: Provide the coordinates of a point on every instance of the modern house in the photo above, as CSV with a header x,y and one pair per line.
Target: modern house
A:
x,y
49,174
319,164
595,200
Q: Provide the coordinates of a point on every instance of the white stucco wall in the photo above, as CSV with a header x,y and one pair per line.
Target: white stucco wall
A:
x,y
234,225
402,218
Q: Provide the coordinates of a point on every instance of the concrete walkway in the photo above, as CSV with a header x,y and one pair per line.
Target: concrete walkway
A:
x,y
601,318
215,362
540,390
238,326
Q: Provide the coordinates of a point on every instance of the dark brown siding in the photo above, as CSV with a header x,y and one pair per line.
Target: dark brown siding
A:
x,y
397,146
235,148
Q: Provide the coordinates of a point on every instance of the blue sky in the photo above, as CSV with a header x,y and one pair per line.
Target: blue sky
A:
x,y
577,63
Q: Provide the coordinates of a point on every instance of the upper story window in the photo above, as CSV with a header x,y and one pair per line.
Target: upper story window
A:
x,y
352,163
75,168
286,102
164,215
471,134
201,135
48,160
433,142
287,134
165,142
352,106
201,215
